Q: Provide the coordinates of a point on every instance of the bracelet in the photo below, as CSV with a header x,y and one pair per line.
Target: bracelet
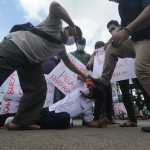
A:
x,y
127,29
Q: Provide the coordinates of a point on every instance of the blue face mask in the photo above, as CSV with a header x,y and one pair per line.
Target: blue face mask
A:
x,y
80,47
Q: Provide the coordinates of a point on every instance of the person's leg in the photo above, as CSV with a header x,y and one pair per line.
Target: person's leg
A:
x,y
98,107
145,95
3,118
109,102
124,86
34,87
111,58
55,121
142,63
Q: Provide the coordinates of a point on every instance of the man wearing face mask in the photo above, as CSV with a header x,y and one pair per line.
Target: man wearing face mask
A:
x,y
24,51
80,54
113,27
135,22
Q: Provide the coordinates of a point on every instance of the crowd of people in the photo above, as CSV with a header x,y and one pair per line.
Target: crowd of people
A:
x,y
29,50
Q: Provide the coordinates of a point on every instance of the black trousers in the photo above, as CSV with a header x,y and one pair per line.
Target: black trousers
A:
x,y
107,97
52,120
48,120
124,86
145,95
32,82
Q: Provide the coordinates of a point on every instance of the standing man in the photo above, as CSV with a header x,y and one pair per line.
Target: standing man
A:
x,y
135,22
80,54
23,51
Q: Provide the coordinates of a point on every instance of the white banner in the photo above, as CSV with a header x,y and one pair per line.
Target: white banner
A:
x,y
124,68
119,109
63,78
13,93
114,92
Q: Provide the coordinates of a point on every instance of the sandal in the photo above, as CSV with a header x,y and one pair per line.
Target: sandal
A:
x,y
21,127
128,124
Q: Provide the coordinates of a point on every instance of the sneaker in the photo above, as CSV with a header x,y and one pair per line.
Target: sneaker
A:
x,y
8,121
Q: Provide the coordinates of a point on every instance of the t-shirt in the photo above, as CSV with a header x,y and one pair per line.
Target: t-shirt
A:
x,y
49,64
36,48
129,10
74,104
81,56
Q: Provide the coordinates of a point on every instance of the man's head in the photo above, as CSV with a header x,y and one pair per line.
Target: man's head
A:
x,y
113,26
99,44
81,44
69,39
90,90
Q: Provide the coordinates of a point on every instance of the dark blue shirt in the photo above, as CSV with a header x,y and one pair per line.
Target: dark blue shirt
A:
x,y
129,10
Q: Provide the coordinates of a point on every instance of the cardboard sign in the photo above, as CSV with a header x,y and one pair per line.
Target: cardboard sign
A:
x,y
13,94
123,70
63,78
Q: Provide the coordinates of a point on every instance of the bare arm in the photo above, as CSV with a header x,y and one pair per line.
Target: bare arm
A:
x,y
73,68
57,11
142,21
90,62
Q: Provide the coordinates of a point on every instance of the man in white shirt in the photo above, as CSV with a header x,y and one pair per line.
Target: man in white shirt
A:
x,y
60,114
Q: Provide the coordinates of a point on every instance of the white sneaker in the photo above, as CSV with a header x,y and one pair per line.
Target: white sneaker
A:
x,y
8,121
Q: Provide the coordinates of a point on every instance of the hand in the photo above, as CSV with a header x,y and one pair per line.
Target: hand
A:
x,y
88,66
72,30
119,38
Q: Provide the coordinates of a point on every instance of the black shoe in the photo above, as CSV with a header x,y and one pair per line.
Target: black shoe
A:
x,y
146,129
102,87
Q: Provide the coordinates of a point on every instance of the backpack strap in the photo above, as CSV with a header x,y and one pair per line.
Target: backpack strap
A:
x,y
29,27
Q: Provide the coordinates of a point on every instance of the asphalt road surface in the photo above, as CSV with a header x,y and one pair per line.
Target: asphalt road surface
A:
x,y
78,137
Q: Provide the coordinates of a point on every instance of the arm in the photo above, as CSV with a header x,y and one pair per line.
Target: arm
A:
x,y
57,11
93,124
73,68
91,61
141,22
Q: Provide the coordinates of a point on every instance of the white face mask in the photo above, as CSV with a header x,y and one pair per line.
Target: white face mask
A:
x,y
85,91
114,31
70,41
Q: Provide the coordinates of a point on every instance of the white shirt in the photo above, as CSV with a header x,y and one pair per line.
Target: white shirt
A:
x,y
74,104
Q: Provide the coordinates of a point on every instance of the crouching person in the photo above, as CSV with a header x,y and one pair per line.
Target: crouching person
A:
x,y
60,114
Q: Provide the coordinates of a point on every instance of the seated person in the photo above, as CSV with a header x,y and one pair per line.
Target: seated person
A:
x,y
60,114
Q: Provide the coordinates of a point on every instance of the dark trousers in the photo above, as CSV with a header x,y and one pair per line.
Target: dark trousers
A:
x,y
145,95
52,120
48,120
107,97
124,86
32,82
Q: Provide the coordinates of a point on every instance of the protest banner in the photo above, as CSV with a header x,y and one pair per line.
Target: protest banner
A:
x,y
124,68
13,94
63,78
119,109
114,92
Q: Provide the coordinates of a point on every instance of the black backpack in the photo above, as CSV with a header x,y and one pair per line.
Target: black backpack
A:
x,y
29,27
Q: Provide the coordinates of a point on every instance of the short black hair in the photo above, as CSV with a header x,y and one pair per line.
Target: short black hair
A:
x,y
83,40
115,22
99,44
78,30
